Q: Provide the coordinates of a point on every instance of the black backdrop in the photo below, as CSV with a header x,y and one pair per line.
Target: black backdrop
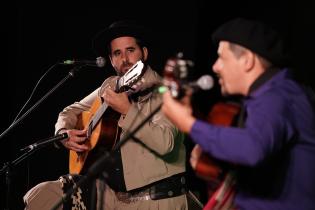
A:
x,y
35,36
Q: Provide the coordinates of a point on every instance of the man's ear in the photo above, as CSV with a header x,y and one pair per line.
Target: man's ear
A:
x,y
248,59
111,61
145,53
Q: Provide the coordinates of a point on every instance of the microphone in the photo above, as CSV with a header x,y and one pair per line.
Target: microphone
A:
x,y
204,82
99,62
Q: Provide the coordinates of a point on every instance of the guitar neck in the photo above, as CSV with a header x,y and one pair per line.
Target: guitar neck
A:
x,y
122,84
96,118
100,111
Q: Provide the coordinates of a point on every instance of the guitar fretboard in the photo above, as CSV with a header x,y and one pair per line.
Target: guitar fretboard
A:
x,y
95,119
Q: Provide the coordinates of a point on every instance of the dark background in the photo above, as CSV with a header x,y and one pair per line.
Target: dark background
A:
x,y
35,36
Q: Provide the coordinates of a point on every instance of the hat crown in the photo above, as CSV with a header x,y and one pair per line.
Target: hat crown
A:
x,y
115,30
125,23
255,36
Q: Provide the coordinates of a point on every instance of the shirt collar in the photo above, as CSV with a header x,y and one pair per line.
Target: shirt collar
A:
x,y
263,78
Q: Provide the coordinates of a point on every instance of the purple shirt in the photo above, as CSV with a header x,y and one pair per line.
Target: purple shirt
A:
x,y
275,151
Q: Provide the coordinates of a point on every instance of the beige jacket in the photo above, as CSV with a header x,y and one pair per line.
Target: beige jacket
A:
x,y
161,152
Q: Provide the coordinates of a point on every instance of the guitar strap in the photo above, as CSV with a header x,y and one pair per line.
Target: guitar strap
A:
x,y
84,198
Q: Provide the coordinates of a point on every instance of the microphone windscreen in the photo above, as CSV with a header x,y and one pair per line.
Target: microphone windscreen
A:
x,y
205,82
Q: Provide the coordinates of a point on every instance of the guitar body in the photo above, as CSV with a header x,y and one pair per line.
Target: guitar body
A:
x,y
209,169
103,136
101,123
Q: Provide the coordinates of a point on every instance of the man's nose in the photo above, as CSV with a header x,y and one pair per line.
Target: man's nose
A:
x,y
215,67
124,57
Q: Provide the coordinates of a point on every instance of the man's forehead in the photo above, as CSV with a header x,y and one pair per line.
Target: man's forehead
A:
x,y
123,39
222,46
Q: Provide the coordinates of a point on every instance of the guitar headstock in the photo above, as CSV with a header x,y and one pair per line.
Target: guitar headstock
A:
x,y
132,76
175,74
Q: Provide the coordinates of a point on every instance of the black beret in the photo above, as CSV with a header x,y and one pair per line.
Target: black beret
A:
x,y
115,30
255,36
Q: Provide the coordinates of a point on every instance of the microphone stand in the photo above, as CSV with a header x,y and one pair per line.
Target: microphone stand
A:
x,y
98,166
15,123
7,167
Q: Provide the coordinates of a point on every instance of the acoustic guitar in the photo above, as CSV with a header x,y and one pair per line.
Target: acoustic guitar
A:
x,y
101,123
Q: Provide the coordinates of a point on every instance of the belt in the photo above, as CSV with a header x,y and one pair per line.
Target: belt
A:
x,y
127,197
170,187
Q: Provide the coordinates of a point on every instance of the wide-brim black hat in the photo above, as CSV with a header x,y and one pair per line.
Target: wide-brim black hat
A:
x,y
255,36
117,29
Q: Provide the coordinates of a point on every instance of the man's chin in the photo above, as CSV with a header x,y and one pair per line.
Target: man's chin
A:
x,y
224,92
121,73
124,70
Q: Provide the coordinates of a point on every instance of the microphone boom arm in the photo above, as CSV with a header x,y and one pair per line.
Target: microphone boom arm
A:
x,y
15,123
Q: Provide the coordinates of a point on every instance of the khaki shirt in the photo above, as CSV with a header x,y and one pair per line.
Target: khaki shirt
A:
x,y
161,152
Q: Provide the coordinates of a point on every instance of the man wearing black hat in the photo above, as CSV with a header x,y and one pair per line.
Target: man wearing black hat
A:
x,y
148,170
272,151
